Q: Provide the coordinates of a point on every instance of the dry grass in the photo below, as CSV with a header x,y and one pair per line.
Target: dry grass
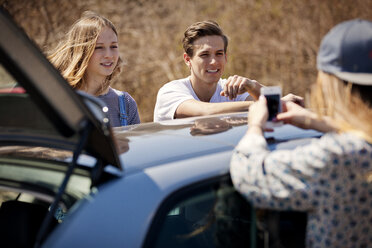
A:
x,y
272,41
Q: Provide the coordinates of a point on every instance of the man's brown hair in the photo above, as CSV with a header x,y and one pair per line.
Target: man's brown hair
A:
x,y
198,30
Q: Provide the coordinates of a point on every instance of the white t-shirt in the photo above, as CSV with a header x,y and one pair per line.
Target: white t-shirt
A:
x,y
172,94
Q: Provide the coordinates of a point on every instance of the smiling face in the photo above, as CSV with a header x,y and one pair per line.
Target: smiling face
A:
x,y
208,61
105,56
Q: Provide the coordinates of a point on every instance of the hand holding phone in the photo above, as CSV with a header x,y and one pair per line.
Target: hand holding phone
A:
x,y
273,95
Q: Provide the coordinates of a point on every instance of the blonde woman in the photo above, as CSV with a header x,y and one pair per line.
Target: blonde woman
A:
x,y
89,59
331,178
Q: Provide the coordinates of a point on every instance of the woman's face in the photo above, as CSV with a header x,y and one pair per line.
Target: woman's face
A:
x,y
105,55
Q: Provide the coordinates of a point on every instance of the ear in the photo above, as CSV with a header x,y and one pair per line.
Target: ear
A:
x,y
187,59
226,57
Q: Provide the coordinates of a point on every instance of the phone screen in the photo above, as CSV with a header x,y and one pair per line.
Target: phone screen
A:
x,y
273,102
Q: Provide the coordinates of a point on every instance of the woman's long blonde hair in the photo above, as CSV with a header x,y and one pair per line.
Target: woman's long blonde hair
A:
x,y
343,102
72,55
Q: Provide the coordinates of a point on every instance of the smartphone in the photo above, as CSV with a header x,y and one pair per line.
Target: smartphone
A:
x,y
273,95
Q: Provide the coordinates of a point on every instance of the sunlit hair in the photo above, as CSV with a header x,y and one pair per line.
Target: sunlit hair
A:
x,y
349,105
201,29
72,55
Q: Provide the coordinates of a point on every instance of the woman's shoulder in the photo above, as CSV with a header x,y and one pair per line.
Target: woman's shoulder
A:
x,y
126,95
347,141
117,92
108,95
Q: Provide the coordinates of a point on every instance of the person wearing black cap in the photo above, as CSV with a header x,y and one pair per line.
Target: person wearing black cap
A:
x,y
331,178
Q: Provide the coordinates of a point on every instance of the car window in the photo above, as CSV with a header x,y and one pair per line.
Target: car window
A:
x,y
211,215
22,176
18,110
27,191
7,83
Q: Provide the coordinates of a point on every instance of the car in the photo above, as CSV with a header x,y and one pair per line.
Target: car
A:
x,y
67,179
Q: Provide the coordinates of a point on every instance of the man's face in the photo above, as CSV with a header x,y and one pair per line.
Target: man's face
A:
x,y
208,61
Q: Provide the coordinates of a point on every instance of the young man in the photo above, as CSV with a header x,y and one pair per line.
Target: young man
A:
x,y
204,92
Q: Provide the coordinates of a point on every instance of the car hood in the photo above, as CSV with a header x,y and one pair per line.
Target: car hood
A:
x,y
61,116
169,141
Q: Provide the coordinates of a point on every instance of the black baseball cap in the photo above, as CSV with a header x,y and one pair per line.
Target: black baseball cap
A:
x,y
346,52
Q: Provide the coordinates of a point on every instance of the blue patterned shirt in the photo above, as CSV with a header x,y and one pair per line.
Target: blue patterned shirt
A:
x,y
331,179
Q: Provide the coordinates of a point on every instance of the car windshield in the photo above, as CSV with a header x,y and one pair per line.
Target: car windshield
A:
x,y
20,117
19,114
27,168
20,179
7,82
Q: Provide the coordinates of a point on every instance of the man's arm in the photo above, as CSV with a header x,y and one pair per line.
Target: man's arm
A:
x,y
236,85
193,107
